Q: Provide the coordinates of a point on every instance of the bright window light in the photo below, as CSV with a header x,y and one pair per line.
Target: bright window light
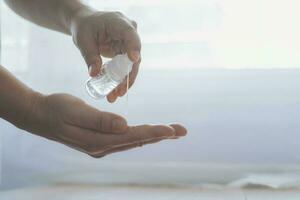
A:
x,y
215,33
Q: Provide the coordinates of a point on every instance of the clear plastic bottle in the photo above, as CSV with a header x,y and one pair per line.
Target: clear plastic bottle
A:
x,y
112,74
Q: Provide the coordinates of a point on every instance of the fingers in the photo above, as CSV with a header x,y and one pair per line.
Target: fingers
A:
x,y
122,88
84,141
112,96
109,48
179,130
144,133
132,42
126,147
108,122
91,54
134,24
132,45
90,118
125,31
98,145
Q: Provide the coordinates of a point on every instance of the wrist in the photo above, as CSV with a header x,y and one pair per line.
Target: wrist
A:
x,y
80,13
30,115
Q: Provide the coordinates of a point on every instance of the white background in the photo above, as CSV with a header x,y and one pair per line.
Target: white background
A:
x,y
226,69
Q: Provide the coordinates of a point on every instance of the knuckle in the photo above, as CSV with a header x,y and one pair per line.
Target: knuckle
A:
x,y
80,45
129,28
134,24
118,13
113,14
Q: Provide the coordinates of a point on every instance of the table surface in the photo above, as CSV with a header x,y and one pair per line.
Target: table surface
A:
x,y
85,191
158,181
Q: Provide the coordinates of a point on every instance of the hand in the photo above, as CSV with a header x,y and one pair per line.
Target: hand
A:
x,y
68,120
107,34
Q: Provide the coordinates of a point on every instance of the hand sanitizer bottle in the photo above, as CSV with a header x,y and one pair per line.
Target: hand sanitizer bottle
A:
x,y
112,74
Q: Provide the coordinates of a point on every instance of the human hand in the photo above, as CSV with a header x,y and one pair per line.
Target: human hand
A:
x,y
108,34
68,120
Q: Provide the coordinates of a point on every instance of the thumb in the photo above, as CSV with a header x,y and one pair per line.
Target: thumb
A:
x,y
91,55
102,122
132,45
95,67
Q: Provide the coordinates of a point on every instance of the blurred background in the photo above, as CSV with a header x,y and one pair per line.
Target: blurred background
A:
x,y
228,70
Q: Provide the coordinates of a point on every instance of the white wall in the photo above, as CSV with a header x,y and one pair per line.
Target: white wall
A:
x,y
232,115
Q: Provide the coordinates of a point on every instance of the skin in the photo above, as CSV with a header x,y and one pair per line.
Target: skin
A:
x,y
64,118
94,32
68,120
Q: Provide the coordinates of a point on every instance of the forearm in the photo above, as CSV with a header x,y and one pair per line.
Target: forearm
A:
x,y
52,14
16,99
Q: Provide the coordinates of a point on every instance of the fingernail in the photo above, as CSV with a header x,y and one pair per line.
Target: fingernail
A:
x,y
135,56
119,124
180,130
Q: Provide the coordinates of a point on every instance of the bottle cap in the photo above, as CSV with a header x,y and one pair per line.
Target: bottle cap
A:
x,y
119,66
